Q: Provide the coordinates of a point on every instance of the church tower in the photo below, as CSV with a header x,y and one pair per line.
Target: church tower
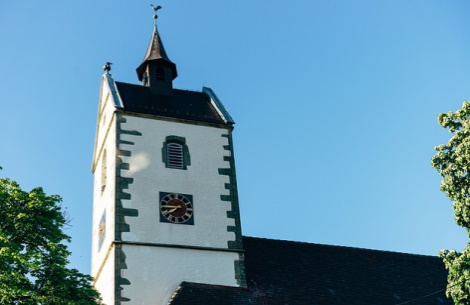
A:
x,y
165,203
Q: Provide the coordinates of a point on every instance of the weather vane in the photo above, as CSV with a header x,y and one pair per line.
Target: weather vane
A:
x,y
155,9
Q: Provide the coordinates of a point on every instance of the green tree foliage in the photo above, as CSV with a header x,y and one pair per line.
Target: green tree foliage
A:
x,y
452,161
33,254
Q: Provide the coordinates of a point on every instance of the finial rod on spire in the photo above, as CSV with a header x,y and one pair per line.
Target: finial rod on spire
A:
x,y
155,16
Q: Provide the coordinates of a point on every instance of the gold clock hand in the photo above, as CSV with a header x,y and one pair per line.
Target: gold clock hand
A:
x,y
168,211
171,208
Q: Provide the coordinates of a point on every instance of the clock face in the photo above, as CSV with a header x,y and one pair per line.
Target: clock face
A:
x,y
176,208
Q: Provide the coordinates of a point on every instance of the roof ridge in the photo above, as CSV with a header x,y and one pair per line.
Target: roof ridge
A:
x,y
176,293
175,89
186,283
339,246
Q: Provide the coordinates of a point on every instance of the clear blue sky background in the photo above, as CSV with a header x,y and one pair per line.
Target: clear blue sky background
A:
x,y
335,102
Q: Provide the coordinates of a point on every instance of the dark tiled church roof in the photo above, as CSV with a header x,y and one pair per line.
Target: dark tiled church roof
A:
x,y
189,105
286,272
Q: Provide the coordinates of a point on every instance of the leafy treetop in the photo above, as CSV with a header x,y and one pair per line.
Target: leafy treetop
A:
x,y
33,256
452,161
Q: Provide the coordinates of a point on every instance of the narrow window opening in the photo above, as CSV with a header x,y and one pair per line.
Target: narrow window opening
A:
x,y
145,79
159,73
104,170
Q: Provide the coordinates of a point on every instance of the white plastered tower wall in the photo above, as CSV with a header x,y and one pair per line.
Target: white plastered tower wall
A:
x,y
104,191
201,179
159,255
138,259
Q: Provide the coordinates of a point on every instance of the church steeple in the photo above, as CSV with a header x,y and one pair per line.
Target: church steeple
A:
x,y
157,71
165,195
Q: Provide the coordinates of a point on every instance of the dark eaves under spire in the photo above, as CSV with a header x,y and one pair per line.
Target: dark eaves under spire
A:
x,y
156,53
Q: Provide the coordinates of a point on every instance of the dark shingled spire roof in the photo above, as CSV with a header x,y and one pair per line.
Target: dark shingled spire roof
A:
x,y
156,53
294,273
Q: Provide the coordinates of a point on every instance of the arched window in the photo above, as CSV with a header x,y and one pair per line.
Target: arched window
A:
x,y
175,153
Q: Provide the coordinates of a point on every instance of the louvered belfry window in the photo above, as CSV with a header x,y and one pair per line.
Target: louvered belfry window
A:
x,y
159,73
175,155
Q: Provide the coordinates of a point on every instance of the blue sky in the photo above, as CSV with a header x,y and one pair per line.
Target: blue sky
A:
x,y
335,103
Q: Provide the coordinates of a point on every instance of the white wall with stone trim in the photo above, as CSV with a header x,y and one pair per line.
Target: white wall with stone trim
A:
x,y
201,179
102,264
154,273
105,282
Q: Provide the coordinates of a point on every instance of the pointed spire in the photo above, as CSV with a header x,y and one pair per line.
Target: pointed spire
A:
x,y
156,53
